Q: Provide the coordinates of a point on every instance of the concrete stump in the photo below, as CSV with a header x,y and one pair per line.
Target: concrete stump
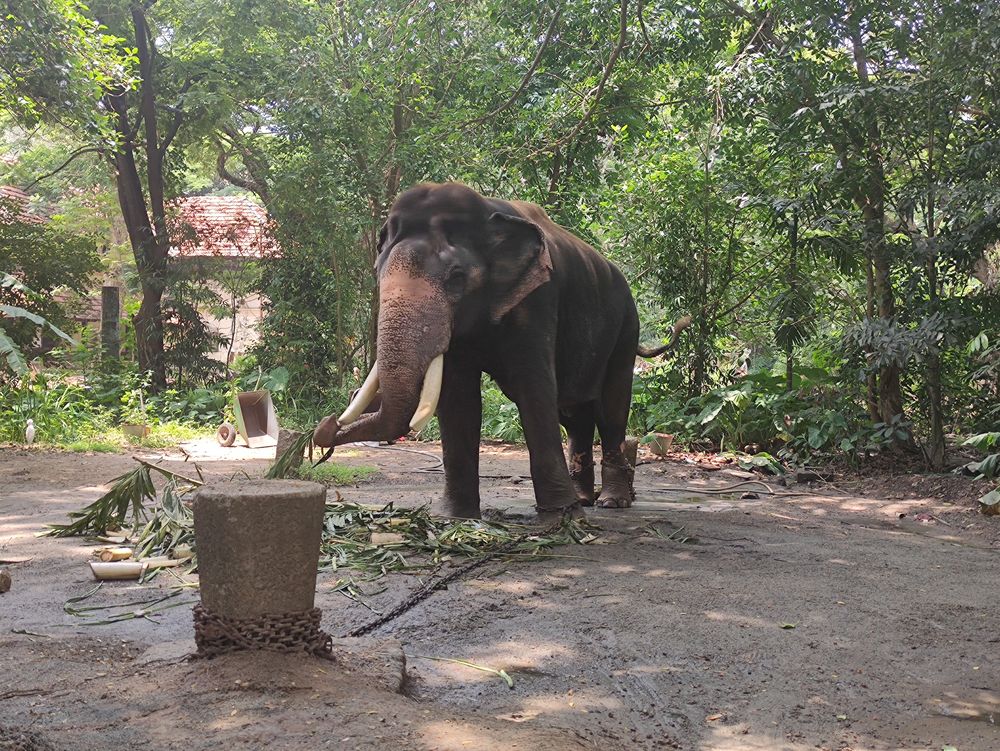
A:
x,y
258,546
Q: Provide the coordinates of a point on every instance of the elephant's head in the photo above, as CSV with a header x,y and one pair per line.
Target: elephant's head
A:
x,y
448,261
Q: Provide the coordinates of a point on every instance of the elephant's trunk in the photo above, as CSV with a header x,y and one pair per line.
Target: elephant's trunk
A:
x,y
414,326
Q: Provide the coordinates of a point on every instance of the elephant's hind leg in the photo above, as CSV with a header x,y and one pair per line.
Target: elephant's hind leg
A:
x,y
612,421
579,424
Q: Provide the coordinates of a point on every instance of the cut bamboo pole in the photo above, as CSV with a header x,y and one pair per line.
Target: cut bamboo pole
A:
x,y
114,554
117,570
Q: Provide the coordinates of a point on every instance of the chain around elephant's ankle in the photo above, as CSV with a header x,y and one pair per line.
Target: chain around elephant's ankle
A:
x,y
564,511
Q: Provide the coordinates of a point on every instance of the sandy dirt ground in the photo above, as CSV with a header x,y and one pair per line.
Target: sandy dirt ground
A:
x,y
860,614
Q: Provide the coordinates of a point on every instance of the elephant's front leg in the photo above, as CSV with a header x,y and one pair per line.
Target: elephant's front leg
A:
x,y
554,493
460,415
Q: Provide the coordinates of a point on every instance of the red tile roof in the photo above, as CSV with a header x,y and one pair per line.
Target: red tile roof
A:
x,y
11,195
78,307
221,226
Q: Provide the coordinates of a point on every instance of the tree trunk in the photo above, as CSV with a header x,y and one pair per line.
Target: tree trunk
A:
x,y
870,198
936,450
147,233
890,397
871,378
793,271
150,264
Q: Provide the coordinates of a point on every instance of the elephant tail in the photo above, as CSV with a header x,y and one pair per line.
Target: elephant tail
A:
x,y
682,323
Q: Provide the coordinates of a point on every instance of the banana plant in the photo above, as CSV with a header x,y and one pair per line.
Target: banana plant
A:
x,y
9,351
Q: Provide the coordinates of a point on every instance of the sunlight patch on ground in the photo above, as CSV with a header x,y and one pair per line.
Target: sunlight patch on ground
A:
x,y
659,572
621,569
572,571
442,735
579,700
739,620
209,450
518,659
742,738
510,587
982,705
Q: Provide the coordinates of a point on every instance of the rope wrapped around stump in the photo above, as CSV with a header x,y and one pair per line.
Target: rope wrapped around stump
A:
x,y
216,634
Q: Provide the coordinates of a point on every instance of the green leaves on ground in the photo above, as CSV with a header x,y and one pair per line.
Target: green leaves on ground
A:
x,y
128,504
163,525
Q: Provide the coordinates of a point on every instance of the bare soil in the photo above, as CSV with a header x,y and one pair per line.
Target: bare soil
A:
x,y
857,614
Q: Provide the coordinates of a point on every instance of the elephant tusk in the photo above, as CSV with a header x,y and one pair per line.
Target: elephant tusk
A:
x,y
362,399
429,395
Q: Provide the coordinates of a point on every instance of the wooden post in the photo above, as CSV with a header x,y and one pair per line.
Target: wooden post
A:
x,y
110,323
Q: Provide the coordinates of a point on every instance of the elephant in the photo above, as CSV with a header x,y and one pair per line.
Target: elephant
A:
x,y
470,284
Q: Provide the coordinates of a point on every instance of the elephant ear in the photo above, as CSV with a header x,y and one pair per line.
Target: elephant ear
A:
x,y
383,236
520,261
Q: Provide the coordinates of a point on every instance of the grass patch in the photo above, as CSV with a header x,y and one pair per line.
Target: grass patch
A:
x,y
114,440
93,445
167,435
336,474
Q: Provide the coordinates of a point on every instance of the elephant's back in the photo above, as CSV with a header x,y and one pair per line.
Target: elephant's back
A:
x,y
598,324
597,320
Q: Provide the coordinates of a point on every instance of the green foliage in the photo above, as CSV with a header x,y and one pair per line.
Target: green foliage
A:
x,y
55,61
331,473
44,260
126,501
816,186
169,434
83,417
164,525
300,331
501,420
188,341
986,468
13,359
757,412
204,407
61,411
93,446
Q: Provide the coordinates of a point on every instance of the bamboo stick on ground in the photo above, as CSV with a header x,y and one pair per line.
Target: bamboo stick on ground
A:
x,y
117,570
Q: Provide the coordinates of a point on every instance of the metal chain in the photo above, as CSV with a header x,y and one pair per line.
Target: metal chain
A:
x,y
428,588
16,739
300,632
215,634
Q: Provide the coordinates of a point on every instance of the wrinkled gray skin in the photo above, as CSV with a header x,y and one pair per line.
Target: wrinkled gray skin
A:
x,y
501,289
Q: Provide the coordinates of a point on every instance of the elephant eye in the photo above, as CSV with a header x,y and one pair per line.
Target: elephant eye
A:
x,y
454,280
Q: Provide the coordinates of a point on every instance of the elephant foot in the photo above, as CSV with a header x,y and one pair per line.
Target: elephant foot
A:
x,y
581,473
616,475
460,509
615,502
555,515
